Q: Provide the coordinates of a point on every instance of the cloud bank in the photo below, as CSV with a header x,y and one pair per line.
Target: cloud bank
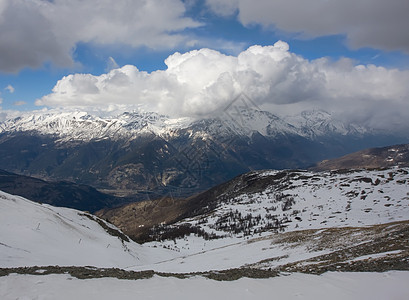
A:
x,y
203,82
366,23
38,31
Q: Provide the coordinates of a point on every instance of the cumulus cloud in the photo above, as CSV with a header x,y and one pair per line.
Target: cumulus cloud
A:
x,y
203,82
37,31
366,23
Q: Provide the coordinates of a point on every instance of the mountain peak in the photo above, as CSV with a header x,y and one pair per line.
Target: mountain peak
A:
x,y
80,125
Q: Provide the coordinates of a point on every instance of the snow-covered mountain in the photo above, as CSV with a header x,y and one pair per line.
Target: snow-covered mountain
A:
x,y
317,123
282,201
253,236
285,220
258,225
82,126
137,152
293,200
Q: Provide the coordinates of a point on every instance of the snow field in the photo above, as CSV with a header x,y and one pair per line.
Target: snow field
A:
x,y
332,285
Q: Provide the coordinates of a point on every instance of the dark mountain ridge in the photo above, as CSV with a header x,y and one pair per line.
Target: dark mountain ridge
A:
x,y
373,158
61,193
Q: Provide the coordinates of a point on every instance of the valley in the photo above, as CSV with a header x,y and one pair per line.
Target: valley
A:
x,y
263,223
213,149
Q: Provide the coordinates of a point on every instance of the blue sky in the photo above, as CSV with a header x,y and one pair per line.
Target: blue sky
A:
x,y
42,41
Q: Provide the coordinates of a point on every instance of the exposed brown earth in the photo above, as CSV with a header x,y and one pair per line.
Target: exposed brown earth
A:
x,y
136,219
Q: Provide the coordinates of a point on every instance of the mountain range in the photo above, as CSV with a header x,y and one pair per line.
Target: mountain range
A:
x,y
147,155
260,224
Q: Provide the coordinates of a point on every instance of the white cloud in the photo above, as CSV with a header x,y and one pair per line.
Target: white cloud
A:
x,y
37,31
203,82
223,8
366,23
10,88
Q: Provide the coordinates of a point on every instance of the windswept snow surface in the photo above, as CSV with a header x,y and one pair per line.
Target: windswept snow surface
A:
x,y
334,286
33,234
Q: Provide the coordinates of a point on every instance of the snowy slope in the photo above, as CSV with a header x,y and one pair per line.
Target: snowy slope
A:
x,y
283,220
295,200
249,225
375,248
33,234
